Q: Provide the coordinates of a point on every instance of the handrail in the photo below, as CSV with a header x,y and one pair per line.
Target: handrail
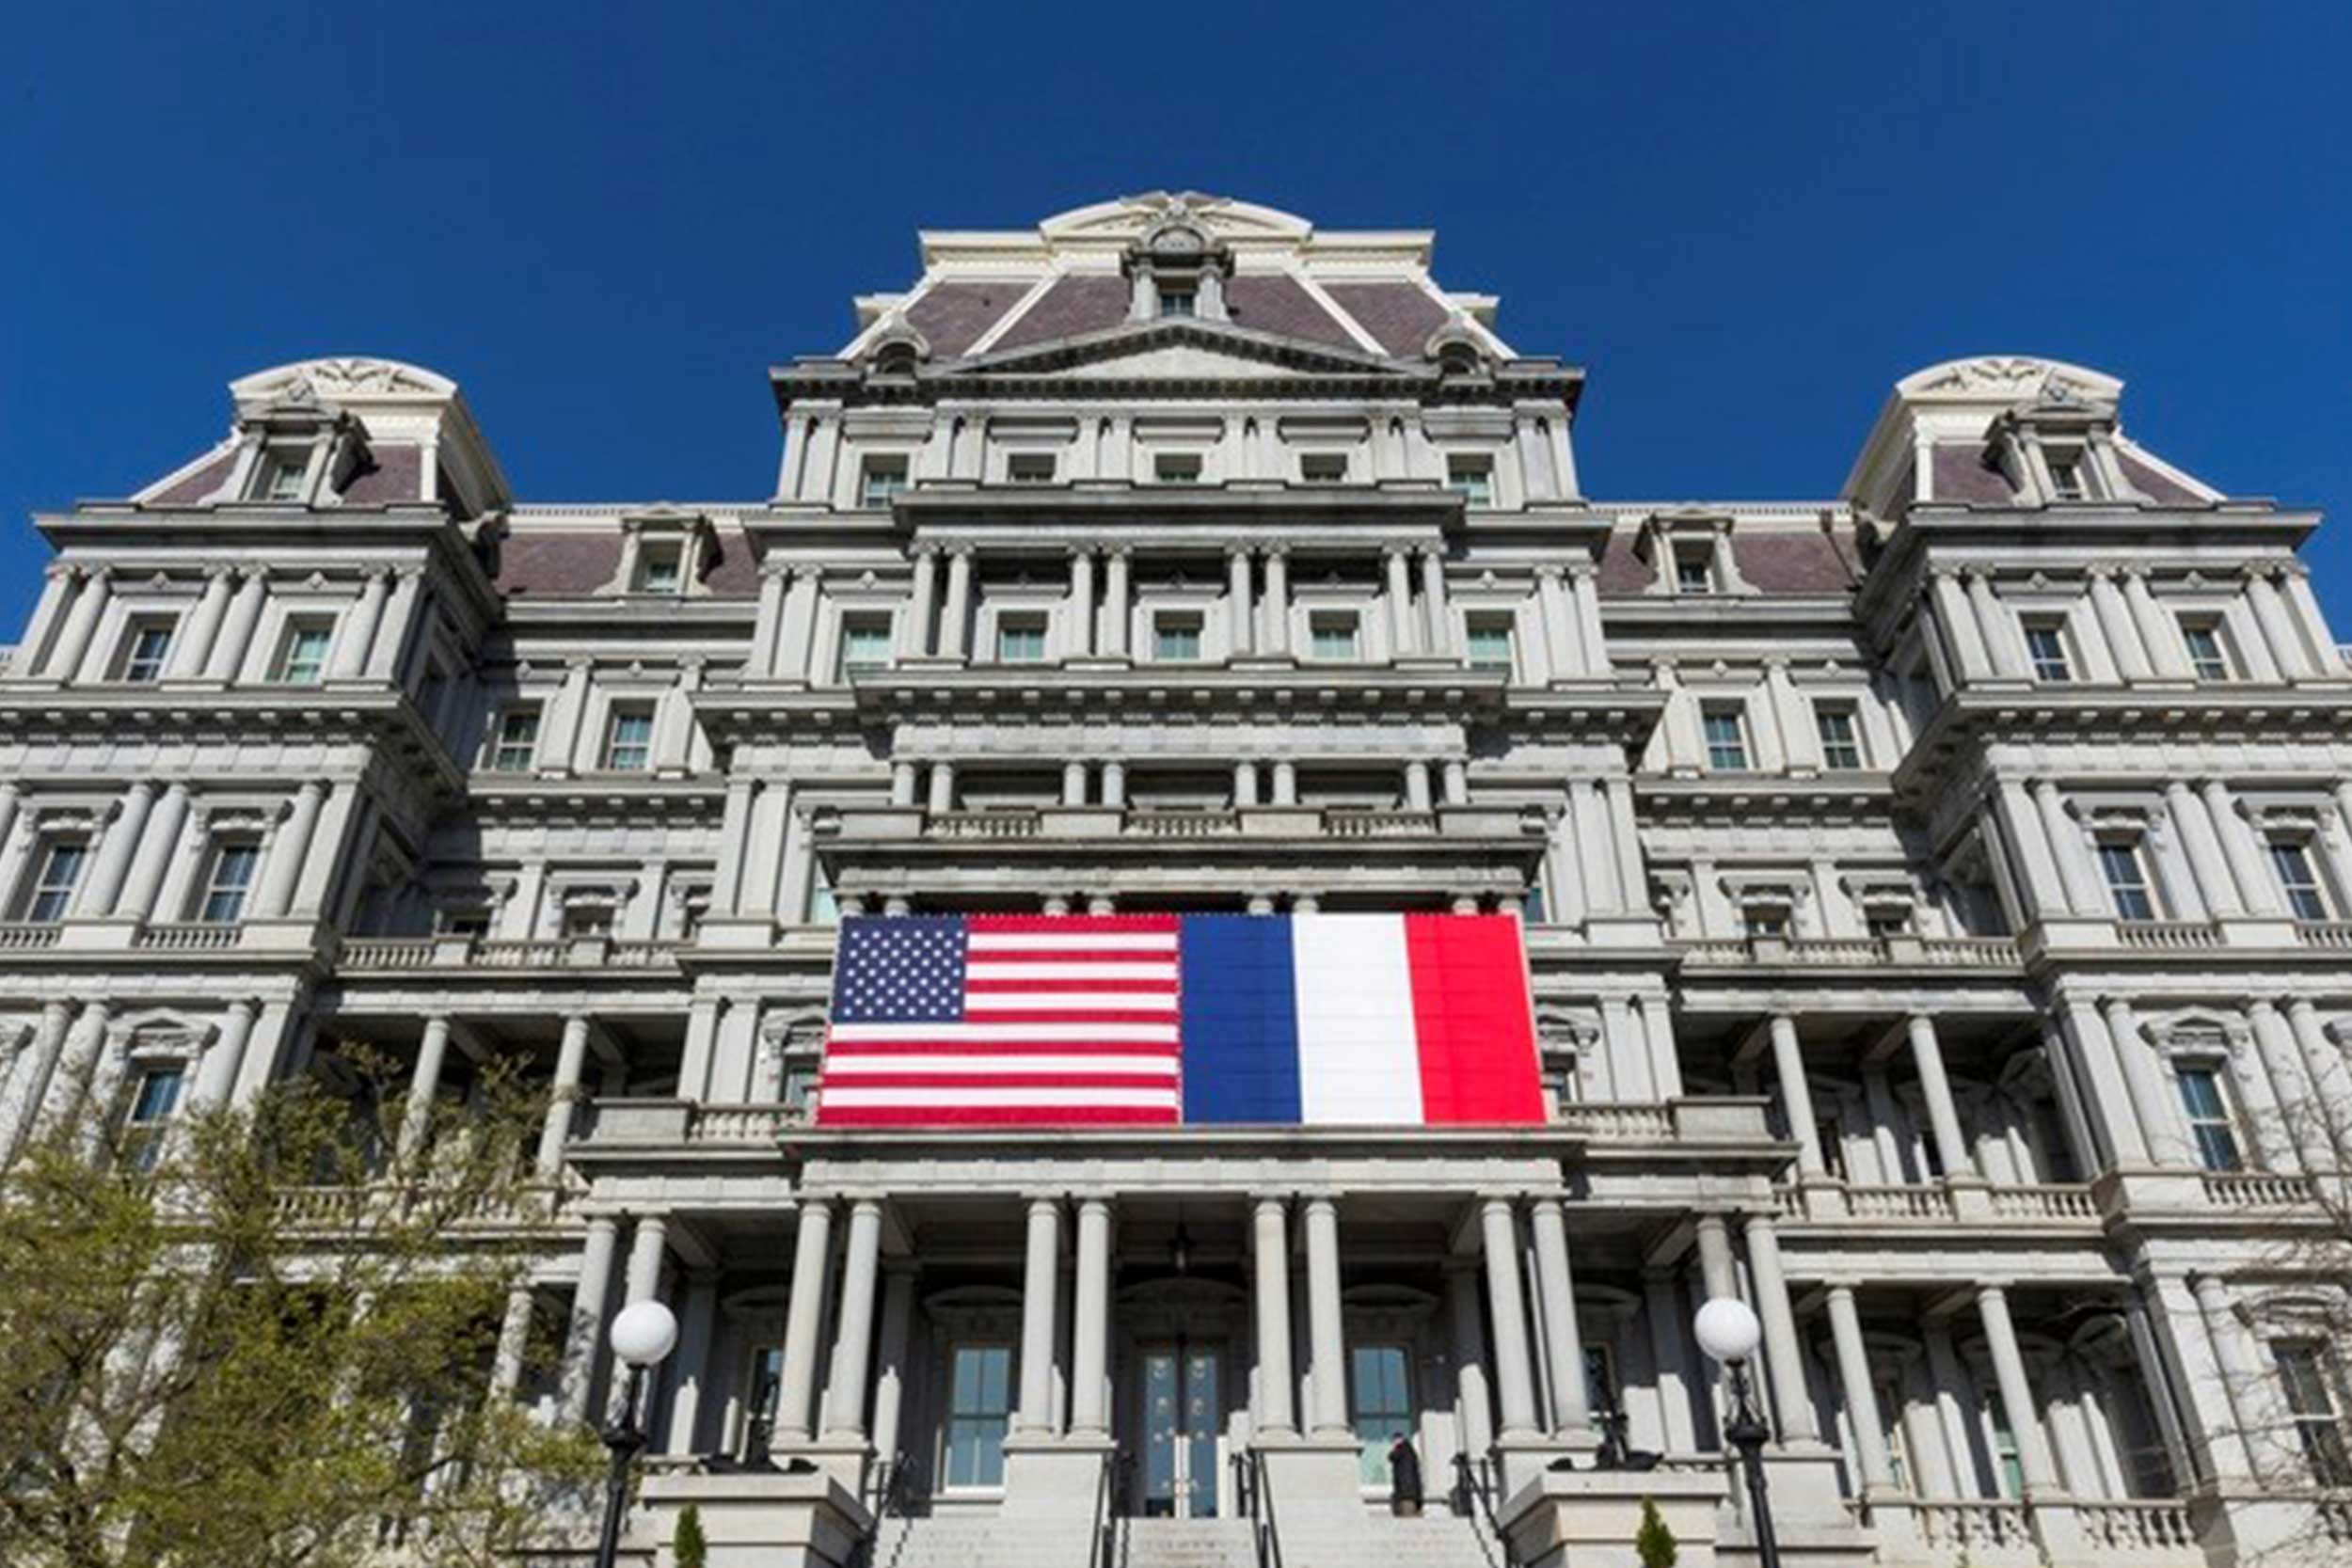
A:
x,y
1266,1533
1099,1543
1471,1479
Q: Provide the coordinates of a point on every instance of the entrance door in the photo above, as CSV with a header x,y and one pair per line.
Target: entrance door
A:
x,y
1184,1428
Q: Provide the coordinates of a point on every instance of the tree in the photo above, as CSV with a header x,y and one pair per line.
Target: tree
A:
x,y
688,1548
1654,1543
268,1340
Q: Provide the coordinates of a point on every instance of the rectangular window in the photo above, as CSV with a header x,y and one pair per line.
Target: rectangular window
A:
x,y
1491,645
1029,467
1841,740
1380,1398
2127,881
2069,478
2045,644
1726,733
52,886
1694,571
629,740
147,1114
1889,925
1179,302
1324,467
1472,478
1176,637
2207,655
1332,634
2300,880
588,920
880,480
2315,1390
1021,639
302,656
227,881
516,740
144,651
659,568
2209,1120
864,645
1176,467
281,474
979,1407
1766,920
2011,1469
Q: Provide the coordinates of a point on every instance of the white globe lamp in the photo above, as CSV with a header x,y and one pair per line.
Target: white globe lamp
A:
x,y
645,1332
1727,1330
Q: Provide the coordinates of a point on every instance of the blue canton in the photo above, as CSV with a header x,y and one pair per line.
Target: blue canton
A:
x,y
899,969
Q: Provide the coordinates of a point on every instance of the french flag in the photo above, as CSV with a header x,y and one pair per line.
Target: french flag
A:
x,y
1343,1020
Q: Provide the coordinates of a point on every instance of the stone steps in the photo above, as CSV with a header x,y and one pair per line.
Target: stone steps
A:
x,y
1439,1540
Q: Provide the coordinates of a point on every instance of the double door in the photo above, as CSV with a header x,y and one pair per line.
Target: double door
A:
x,y
1180,1467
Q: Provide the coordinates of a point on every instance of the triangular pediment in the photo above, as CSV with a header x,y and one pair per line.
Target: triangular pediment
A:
x,y
1178,351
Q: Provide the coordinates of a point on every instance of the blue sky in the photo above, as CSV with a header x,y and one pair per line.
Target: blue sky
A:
x,y
1745,221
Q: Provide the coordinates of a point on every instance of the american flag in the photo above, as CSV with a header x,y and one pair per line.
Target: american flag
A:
x,y
1004,1020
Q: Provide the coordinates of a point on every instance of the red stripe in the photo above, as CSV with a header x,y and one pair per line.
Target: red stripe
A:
x,y
1062,1015
977,959
1058,987
1473,1019
992,1115
1004,1047
1076,925
1003,1081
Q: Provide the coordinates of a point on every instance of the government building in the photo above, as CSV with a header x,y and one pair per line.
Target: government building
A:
x,y
1936,901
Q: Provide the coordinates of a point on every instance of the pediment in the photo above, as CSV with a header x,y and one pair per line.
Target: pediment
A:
x,y
1178,351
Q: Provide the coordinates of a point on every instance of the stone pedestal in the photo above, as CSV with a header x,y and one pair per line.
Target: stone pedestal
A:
x,y
756,1519
1312,1477
1589,1517
1054,1478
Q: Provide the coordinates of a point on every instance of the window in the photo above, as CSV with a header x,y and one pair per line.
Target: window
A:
x,y
1889,1402
880,480
1176,637
2127,881
226,882
980,1406
2209,1120
147,1114
1766,920
1694,571
588,920
53,887
515,741
1841,741
2003,1443
1179,302
864,645
1324,467
143,653
1331,634
1029,467
473,921
2070,476
629,740
659,568
1472,478
2293,863
1176,467
1727,734
2314,1389
1021,639
280,473
302,656
2045,644
1888,924
1379,1390
2207,655
1600,1379
1491,645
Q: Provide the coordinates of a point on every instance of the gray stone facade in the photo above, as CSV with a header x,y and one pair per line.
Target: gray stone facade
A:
x,y
1936,899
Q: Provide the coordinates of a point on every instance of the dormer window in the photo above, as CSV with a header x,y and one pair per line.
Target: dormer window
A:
x,y
2070,474
1179,302
660,568
1694,571
279,475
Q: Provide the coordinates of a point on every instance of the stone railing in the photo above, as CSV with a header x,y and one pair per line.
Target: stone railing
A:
x,y
2257,1189
1182,824
1828,1200
1901,1203
1975,1525
985,824
188,937
1968,952
341,1208
1616,1122
1853,952
18,936
743,1124
2141,1528
2047,1201
2332,934
460,952
1346,822
2168,936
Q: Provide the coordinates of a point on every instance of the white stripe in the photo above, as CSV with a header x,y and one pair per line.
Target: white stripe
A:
x,y
979,1095
836,1064
978,1003
1015,970
1359,1057
1121,942
1164,1033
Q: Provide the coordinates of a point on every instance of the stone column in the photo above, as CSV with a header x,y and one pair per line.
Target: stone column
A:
x,y
1795,1097
854,1335
1417,784
1571,1411
2150,1103
1661,1295
2075,873
2257,889
942,788
1584,581
1278,602
1472,1407
1238,608
1717,1273
194,646
696,1324
1514,1368
1285,783
2003,650
1074,784
1116,612
646,1249
2159,633
112,864
424,1081
2115,624
2009,1373
282,868
1456,776
1853,1379
1245,784
812,1261
155,854
923,607
1951,1148
1090,1356
2278,632
1400,595
583,1338
775,580
27,1082
236,639
65,663
1270,1280
217,1077
1041,1274
1440,627
1783,1361
2037,860
955,636
897,1309
2109,1108
571,1056
350,657
1959,619
1563,653
514,1342
2324,1062
1323,1328
1082,603
2195,828
2304,1116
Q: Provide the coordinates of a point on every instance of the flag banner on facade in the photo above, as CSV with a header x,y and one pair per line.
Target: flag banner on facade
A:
x,y
1338,1020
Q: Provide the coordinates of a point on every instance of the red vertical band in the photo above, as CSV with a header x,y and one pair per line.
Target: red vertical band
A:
x,y
1471,1014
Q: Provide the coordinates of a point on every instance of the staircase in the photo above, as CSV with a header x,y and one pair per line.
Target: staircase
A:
x,y
1433,1541
1377,1540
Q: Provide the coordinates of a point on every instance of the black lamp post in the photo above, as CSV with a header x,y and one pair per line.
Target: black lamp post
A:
x,y
642,1336
1728,1332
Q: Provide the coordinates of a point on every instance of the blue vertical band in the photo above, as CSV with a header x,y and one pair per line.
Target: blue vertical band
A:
x,y
1241,1020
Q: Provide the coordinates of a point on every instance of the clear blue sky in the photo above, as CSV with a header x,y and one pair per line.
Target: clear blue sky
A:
x,y
1745,221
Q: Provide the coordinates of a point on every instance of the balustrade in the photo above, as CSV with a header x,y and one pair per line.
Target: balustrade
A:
x,y
2168,936
2254,1189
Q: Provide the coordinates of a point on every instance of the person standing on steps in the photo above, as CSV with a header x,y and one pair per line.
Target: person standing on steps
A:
x,y
1403,1478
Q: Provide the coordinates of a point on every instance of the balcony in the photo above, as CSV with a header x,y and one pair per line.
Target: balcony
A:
x,y
337,1210
1965,1202
402,954
861,825
1909,952
2143,1532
